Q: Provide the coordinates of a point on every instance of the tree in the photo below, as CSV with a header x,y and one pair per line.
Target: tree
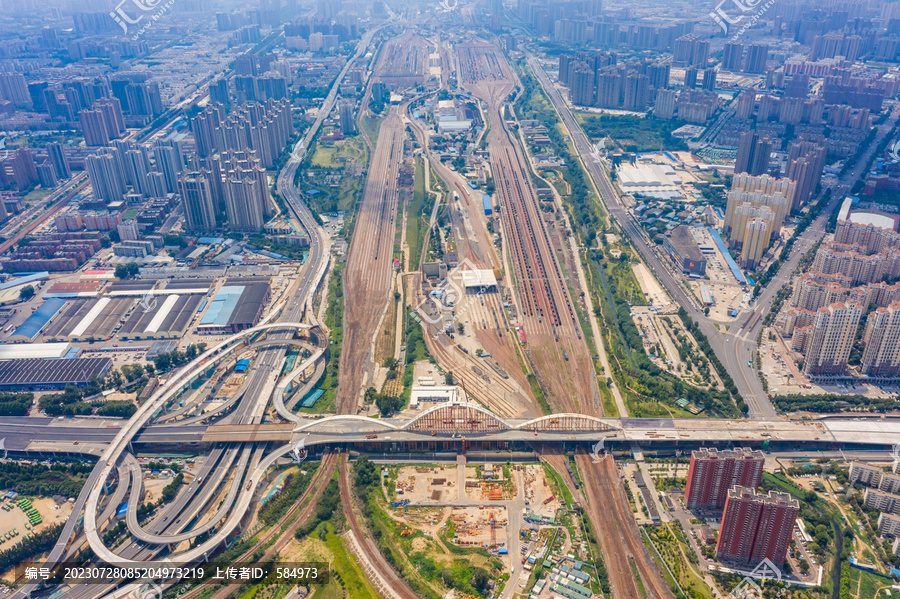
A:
x,y
365,473
388,404
481,580
460,328
26,293
114,236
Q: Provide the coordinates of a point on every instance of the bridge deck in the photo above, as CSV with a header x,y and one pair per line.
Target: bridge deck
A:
x,y
243,432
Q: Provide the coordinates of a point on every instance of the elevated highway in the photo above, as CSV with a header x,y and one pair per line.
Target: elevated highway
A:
x,y
361,430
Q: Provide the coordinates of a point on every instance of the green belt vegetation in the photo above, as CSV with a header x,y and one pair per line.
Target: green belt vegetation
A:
x,y
38,479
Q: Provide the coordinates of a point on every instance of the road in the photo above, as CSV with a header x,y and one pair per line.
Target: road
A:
x,y
175,517
735,348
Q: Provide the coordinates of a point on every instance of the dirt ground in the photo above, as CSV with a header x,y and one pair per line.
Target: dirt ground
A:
x,y
423,485
429,519
473,525
780,367
651,287
153,487
481,489
426,370
15,518
232,385
537,489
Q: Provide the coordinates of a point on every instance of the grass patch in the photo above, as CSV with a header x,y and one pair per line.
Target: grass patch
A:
x,y
334,320
418,216
338,154
558,484
610,410
670,546
371,125
347,571
633,133
36,195
538,394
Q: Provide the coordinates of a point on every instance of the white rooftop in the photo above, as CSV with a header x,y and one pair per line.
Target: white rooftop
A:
x,y
33,350
872,218
478,278
647,175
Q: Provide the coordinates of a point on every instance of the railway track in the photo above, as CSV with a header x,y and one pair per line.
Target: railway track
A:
x,y
617,532
302,509
398,587
367,282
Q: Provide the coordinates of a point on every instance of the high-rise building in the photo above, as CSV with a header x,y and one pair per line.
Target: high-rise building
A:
x,y
138,168
57,155
218,92
753,154
805,163
762,190
831,339
24,169
264,128
664,107
111,109
690,77
199,210
689,49
46,175
712,472
746,104
345,113
757,235
94,128
757,56
14,89
241,204
659,75
156,185
709,79
881,356
582,86
168,163
756,527
637,91
107,180
733,57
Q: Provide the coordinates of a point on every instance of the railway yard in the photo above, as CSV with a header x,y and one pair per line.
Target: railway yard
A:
x,y
555,340
403,61
368,275
510,338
